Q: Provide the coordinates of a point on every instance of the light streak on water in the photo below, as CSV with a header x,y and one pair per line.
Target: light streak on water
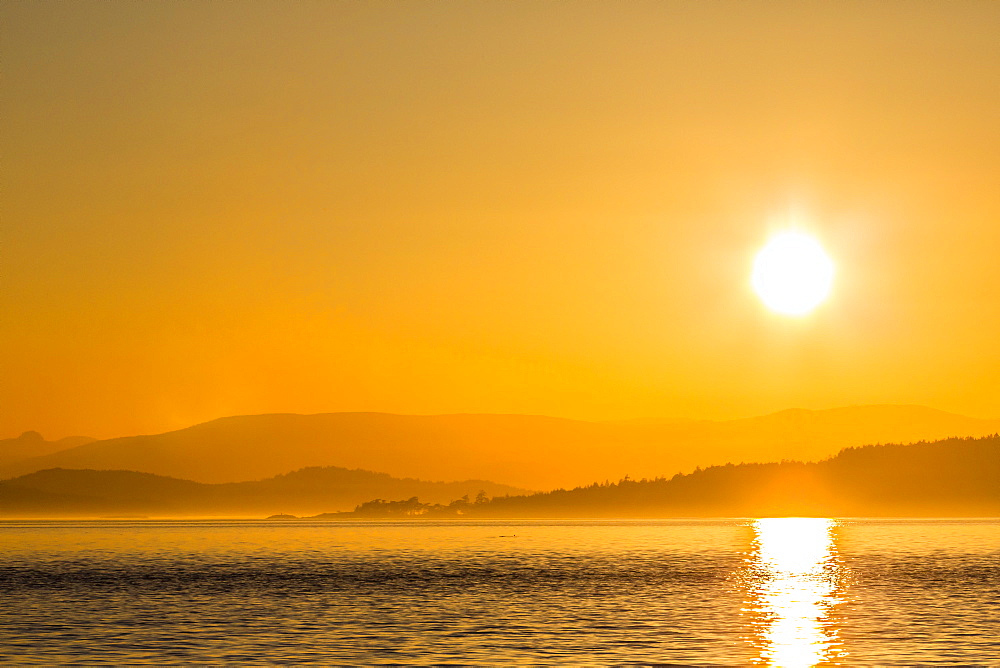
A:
x,y
793,583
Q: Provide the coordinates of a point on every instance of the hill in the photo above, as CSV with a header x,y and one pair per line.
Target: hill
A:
x,y
529,451
947,478
91,493
32,444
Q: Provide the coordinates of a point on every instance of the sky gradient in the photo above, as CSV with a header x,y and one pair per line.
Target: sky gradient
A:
x,y
220,208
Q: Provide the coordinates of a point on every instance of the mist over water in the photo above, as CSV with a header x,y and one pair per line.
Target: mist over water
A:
x,y
780,592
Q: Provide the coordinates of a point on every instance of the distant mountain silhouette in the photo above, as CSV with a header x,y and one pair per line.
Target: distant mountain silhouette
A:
x,y
948,478
32,444
89,493
530,451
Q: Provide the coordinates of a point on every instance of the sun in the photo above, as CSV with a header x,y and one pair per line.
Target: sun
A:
x,y
792,274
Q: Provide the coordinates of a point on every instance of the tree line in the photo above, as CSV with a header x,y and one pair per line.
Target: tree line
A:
x,y
950,477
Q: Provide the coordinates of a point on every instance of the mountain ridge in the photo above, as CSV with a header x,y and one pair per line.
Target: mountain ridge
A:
x,y
33,444
62,492
949,477
529,451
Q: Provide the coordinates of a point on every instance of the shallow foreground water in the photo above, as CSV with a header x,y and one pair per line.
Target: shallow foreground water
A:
x,y
791,592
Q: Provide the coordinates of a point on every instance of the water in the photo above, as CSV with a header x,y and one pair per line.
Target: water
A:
x,y
792,592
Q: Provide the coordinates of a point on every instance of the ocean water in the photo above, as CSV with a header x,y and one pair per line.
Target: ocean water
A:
x,y
790,592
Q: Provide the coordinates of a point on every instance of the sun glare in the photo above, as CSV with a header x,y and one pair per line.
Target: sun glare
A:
x,y
794,581
792,274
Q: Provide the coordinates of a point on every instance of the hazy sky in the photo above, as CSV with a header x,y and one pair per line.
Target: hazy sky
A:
x,y
213,208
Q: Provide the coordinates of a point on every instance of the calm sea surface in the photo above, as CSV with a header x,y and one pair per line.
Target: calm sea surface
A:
x,y
793,592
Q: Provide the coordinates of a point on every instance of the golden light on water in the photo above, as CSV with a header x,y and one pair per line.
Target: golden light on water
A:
x,y
793,582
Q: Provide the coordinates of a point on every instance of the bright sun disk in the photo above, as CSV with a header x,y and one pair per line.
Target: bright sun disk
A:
x,y
792,274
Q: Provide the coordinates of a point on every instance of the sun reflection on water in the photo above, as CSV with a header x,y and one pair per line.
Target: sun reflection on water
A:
x,y
793,580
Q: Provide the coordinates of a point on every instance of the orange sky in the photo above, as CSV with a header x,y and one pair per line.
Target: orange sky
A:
x,y
552,207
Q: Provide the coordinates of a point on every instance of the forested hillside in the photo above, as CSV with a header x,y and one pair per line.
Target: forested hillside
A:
x,y
953,477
